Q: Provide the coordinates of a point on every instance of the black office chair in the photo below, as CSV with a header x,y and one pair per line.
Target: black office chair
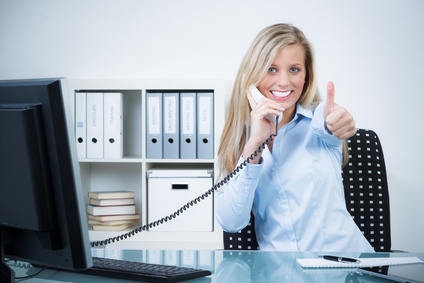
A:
x,y
366,194
244,239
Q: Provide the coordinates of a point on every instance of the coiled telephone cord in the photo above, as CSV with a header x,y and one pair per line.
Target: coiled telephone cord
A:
x,y
191,203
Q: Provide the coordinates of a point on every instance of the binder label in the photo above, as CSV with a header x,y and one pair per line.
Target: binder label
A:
x,y
170,118
94,115
204,115
188,118
154,115
111,111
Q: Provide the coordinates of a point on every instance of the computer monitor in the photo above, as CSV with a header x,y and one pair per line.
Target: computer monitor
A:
x,y
42,215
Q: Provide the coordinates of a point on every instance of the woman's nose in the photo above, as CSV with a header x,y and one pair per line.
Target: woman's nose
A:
x,y
283,80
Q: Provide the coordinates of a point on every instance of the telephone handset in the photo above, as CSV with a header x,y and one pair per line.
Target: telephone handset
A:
x,y
257,95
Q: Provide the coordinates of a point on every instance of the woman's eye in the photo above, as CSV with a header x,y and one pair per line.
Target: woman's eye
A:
x,y
272,70
294,70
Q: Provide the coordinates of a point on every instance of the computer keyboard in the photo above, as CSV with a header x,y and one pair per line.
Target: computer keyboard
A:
x,y
146,272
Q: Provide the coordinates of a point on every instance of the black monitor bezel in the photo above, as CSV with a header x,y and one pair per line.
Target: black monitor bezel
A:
x,y
74,252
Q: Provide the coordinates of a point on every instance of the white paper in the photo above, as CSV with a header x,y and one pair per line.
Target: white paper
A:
x,y
365,262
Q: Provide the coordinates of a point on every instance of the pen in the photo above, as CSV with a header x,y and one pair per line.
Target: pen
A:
x,y
341,259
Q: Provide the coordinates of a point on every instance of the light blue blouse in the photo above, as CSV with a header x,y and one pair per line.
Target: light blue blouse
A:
x,y
296,193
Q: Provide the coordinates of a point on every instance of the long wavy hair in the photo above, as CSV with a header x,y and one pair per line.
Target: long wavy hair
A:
x,y
252,70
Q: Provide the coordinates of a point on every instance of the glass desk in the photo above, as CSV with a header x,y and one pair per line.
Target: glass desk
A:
x,y
226,266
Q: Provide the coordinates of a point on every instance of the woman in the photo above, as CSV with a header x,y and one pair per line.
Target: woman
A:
x,y
294,186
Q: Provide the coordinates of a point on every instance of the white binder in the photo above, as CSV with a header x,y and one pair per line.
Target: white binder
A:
x,y
94,125
205,139
81,124
171,125
113,125
188,125
154,140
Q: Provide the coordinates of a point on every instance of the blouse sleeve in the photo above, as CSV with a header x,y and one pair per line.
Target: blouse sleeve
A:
x,y
235,198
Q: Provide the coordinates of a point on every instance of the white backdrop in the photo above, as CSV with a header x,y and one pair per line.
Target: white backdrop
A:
x,y
372,50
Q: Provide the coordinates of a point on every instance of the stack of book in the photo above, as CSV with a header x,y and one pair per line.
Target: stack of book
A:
x,y
111,210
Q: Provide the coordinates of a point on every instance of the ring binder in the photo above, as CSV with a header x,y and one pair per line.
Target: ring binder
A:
x,y
171,125
81,123
94,125
113,123
154,141
205,118
188,141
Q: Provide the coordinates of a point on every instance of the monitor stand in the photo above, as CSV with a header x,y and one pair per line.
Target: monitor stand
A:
x,y
7,275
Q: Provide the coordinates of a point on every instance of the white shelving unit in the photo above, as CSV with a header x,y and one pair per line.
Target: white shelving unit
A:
x,y
129,172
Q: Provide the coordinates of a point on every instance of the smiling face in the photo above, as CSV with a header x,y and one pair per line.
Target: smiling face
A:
x,y
285,78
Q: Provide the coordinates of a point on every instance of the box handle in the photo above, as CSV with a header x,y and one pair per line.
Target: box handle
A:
x,y
180,186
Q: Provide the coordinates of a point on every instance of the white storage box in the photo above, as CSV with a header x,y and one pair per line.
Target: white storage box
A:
x,y
169,190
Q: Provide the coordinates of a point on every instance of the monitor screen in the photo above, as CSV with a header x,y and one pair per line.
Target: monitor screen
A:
x,y
42,215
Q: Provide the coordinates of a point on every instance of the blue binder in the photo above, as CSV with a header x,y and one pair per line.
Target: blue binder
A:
x,y
205,118
188,118
171,125
154,136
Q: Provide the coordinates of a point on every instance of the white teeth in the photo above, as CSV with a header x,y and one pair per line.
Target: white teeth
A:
x,y
281,93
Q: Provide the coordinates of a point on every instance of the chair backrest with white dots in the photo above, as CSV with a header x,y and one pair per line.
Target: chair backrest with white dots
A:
x,y
366,189
244,239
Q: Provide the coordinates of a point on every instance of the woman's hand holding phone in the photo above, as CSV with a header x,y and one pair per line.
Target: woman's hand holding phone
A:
x,y
261,122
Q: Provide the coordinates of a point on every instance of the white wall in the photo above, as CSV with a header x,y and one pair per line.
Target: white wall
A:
x,y
372,50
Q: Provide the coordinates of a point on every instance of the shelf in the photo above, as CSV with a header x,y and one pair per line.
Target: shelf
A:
x,y
129,159
130,171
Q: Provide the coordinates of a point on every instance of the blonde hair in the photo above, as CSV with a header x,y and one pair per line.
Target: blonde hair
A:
x,y
253,68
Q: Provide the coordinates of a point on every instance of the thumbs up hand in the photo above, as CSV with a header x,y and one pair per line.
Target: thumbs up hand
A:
x,y
338,120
